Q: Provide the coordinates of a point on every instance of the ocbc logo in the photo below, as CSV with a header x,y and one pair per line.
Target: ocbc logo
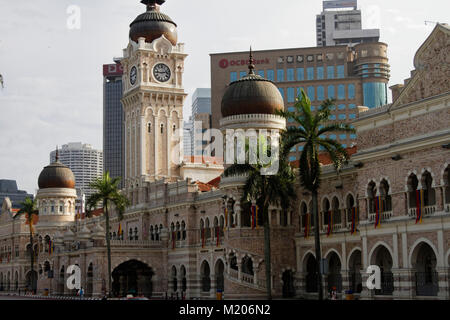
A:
x,y
223,63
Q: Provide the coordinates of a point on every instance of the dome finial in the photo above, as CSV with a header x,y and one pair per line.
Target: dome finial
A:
x,y
153,4
251,62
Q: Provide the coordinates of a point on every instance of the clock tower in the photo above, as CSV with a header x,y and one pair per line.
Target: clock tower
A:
x,y
153,99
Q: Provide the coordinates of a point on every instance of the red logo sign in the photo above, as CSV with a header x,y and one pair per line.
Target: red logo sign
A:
x,y
112,70
225,63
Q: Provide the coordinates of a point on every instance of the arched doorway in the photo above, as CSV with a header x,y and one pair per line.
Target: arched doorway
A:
x,y
1,282
334,278
174,282
31,280
426,277
89,281
312,274
288,284
205,273
382,258
219,270
132,277
16,281
61,284
354,275
183,279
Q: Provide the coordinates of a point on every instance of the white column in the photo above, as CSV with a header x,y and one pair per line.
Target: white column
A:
x,y
156,133
405,250
181,138
125,148
364,253
395,247
136,130
143,140
169,149
440,258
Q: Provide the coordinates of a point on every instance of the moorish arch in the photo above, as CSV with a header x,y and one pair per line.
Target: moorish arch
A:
x,y
381,256
219,271
132,277
423,260
334,277
354,264
311,271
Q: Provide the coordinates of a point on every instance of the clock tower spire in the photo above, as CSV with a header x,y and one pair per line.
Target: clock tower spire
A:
x,y
153,99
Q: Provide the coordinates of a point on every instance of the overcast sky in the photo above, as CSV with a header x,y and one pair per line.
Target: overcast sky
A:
x,y
53,75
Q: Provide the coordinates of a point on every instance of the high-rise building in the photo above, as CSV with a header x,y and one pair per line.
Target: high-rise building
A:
x,y
86,164
201,116
353,76
113,156
9,189
187,136
340,23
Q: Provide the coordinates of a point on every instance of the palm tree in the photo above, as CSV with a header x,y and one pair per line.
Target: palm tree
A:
x,y
30,211
267,190
310,133
107,193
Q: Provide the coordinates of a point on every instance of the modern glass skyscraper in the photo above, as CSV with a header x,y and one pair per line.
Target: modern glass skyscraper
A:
x,y
113,160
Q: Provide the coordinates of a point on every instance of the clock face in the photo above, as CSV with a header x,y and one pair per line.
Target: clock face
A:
x,y
161,72
133,76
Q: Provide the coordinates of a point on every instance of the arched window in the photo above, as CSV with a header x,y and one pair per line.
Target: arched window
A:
x,y
130,234
412,186
174,128
447,187
350,207
46,243
152,235
162,128
385,196
136,235
326,212
336,211
429,195
149,127
178,231
114,237
183,230
247,265
174,279
303,215
208,229
371,194
221,226
156,233
202,230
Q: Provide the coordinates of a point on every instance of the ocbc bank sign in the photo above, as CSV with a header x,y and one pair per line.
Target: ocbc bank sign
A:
x,y
225,63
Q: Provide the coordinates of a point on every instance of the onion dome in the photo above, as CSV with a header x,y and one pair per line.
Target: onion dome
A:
x,y
251,95
153,24
56,175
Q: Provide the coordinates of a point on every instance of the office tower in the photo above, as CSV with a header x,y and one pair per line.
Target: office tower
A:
x,y
340,23
113,156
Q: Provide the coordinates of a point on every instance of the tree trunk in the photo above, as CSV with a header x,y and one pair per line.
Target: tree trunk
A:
x,y
108,250
267,252
317,242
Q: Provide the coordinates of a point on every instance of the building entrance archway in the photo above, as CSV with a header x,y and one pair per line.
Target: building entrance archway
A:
x,y
132,277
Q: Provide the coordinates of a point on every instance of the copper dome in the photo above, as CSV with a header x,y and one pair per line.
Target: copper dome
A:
x,y
56,175
153,24
251,95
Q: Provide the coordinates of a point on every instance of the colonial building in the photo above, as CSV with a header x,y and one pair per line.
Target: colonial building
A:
x,y
191,238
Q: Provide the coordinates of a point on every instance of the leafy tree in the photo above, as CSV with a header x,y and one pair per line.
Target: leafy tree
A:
x,y
275,189
108,195
30,212
310,132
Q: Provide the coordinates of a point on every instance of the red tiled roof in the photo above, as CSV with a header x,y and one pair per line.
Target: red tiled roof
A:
x,y
203,187
325,159
215,182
